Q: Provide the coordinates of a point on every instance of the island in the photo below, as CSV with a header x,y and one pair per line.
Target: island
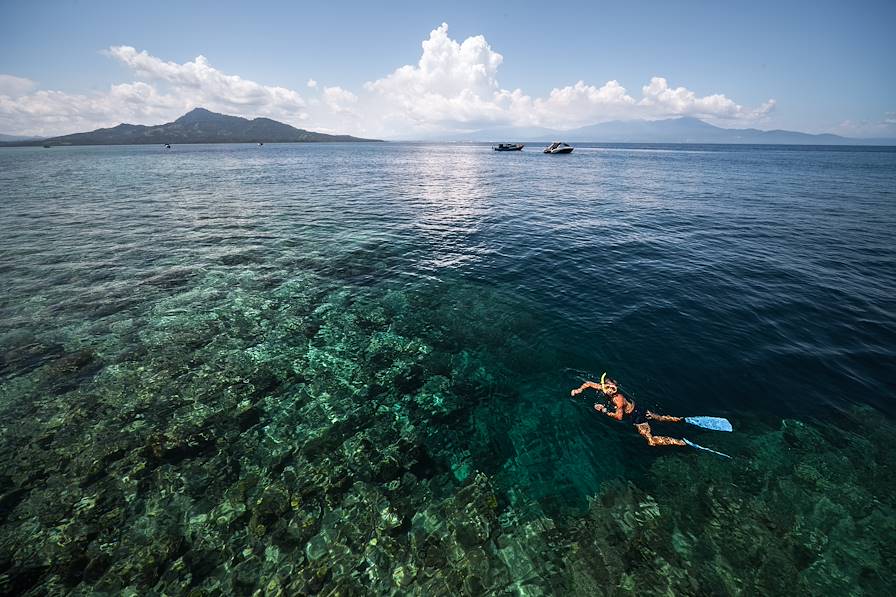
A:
x,y
196,126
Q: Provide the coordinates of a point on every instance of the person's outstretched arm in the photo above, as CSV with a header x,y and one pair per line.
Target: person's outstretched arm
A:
x,y
585,386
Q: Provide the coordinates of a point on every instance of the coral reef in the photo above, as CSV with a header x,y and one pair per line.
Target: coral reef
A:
x,y
249,435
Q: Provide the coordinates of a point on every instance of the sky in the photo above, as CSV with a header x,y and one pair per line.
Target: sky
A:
x,y
415,69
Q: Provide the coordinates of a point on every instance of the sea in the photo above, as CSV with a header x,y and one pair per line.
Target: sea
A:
x,y
345,368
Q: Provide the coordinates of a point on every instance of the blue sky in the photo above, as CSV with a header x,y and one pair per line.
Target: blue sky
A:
x,y
827,66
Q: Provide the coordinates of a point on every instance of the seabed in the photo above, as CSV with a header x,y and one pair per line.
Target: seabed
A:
x,y
255,435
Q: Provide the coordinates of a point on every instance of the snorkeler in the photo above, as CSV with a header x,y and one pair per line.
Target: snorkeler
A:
x,y
623,407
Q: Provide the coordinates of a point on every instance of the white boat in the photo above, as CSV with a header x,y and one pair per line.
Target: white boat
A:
x,y
558,147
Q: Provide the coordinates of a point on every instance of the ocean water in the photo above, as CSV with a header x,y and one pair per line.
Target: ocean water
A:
x,y
345,369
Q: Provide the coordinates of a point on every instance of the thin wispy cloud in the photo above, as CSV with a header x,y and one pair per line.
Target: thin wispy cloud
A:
x,y
453,86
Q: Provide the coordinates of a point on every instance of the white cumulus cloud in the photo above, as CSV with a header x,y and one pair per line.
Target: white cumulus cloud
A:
x,y
662,100
339,99
163,91
56,112
207,86
12,86
452,83
577,105
453,86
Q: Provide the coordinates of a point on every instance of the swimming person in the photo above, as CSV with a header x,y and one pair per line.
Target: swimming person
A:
x,y
623,407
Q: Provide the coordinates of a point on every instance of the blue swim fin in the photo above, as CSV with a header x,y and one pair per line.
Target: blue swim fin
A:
x,y
699,447
714,423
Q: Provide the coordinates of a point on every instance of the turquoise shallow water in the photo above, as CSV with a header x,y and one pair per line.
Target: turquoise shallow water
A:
x,y
345,368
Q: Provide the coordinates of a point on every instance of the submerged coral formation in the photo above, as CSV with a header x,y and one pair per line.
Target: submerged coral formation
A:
x,y
251,435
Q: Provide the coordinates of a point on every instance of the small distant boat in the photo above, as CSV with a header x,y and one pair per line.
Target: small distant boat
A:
x,y
558,147
509,147
167,146
260,143
47,146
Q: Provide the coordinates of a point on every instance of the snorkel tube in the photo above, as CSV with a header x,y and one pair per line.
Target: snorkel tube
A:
x,y
604,385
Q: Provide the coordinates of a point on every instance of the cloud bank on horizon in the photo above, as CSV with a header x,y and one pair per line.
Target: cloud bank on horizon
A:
x,y
452,88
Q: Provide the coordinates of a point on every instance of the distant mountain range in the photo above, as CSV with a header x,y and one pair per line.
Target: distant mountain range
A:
x,y
672,130
202,126
13,138
196,126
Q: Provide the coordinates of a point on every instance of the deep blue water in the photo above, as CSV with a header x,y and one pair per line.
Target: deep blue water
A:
x,y
755,283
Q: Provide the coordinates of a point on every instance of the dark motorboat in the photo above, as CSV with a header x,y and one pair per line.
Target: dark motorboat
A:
x,y
47,146
509,147
558,147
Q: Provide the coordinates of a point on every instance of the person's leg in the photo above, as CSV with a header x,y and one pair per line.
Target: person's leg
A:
x,y
663,418
657,440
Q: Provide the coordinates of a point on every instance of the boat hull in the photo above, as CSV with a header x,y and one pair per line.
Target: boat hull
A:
x,y
558,147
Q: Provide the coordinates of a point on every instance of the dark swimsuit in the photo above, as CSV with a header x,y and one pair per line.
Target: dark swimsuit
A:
x,y
638,416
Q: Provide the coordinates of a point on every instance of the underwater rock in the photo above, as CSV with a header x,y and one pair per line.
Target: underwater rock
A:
x,y
799,435
22,352
317,548
269,509
436,398
67,372
403,575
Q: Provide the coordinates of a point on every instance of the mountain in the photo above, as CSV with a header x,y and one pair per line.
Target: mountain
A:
x,y
13,138
671,130
693,130
197,126
203,126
